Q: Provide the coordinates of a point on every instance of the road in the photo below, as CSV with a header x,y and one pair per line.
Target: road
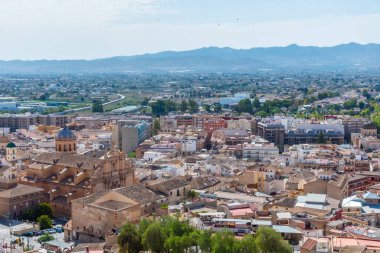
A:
x,y
121,97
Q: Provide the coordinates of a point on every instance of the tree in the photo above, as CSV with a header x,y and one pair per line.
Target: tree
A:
x,y
170,106
44,209
177,244
44,96
223,242
270,241
29,214
217,107
158,108
321,138
207,108
143,225
97,106
129,240
183,107
132,154
156,126
350,104
366,94
144,102
193,106
154,238
261,114
256,103
45,238
173,226
192,194
246,245
244,105
44,221
204,240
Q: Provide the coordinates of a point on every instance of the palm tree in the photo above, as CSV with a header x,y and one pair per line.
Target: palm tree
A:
x,y
192,195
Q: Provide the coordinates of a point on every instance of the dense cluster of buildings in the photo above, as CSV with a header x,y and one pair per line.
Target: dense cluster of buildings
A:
x,y
304,178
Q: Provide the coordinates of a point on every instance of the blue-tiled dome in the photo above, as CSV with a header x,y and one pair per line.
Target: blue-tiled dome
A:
x,y
65,133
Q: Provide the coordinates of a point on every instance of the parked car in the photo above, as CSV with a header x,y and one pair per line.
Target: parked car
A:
x,y
45,231
58,230
37,233
28,234
51,231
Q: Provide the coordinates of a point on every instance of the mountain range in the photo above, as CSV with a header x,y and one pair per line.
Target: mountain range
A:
x,y
344,57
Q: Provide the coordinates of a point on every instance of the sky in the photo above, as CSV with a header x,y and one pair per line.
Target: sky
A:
x,y
89,29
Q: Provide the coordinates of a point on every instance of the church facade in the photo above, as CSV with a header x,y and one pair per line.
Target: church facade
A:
x,y
66,175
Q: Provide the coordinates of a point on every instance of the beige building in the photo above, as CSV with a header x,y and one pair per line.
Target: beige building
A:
x,y
336,188
67,176
14,152
176,189
239,124
100,213
367,139
14,201
252,178
10,151
3,141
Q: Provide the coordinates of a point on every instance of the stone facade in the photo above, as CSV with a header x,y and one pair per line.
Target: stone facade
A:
x,y
100,213
67,176
14,201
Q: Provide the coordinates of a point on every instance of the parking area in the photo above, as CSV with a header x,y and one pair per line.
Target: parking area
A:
x,y
30,241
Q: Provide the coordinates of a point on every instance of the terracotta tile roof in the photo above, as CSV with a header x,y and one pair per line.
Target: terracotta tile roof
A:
x,y
310,244
138,193
173,184
68,160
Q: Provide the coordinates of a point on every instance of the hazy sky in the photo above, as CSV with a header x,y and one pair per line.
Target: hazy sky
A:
x,y
87,29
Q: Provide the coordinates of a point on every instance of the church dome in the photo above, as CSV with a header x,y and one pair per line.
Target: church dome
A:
x,y
65,133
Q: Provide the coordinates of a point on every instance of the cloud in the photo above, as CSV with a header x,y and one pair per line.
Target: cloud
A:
x,y
67,29
26,13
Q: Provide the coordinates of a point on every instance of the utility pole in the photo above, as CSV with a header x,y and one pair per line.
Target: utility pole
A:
x,y
10,235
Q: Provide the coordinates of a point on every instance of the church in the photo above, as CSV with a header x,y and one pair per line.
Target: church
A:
x,y
66,175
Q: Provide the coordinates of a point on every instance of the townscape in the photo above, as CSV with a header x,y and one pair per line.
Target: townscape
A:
x,y
225,160
178,126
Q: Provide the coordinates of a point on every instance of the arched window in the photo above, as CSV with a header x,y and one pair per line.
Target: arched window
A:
x,y
60,148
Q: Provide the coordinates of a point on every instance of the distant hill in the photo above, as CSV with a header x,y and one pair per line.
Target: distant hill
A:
x,y
345,57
